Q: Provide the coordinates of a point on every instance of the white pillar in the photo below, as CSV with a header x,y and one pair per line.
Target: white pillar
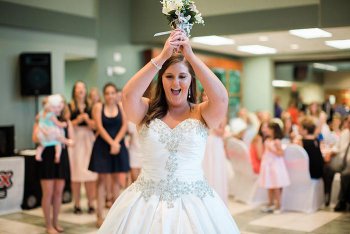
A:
x,y
257,84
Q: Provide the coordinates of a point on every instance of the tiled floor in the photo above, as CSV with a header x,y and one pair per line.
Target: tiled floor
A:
x,y
249,219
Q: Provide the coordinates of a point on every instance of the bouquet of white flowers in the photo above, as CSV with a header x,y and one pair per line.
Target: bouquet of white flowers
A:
x,y
181,14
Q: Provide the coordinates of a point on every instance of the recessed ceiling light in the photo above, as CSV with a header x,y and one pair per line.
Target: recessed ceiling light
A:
x,y
281,83
339,44
257,49
263,38
309,33
324,66
213,40
294,46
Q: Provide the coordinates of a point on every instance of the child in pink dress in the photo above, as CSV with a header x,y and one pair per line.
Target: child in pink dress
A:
x,y
273,172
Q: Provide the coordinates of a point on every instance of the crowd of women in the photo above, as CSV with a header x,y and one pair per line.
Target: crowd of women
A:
x,y
97,155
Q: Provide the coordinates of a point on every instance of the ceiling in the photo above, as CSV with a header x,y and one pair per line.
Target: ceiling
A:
x,y
282,42
221,7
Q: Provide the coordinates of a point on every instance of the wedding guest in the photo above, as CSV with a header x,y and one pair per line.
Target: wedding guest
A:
x,y
94,97
257,146
53,175
109,153
312,147
341,160
79,155
134,151
214,162
273,172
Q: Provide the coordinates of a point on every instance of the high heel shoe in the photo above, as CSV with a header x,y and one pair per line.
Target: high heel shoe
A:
x,y
77,210
91,210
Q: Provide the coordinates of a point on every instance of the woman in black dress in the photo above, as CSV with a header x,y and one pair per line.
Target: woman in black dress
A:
x,y
53,175
109,154
312,146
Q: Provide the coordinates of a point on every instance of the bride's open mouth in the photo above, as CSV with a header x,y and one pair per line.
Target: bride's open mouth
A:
x,y
176,91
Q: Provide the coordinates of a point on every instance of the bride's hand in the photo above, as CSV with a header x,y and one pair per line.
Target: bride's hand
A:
x,y
182,43
169,48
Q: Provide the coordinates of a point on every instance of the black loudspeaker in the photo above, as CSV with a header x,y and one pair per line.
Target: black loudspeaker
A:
x,y
35,72
300,72
7,140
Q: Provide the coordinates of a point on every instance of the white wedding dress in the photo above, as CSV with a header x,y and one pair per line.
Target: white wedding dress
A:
x,y
170,195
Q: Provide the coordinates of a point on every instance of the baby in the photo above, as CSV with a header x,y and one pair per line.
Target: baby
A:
x,y
50,131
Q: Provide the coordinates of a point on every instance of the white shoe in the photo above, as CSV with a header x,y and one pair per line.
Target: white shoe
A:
x,y
267,209
277,211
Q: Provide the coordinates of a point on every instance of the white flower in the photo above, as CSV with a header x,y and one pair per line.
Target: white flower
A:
x,y
179,4
168,6
193,8
199,19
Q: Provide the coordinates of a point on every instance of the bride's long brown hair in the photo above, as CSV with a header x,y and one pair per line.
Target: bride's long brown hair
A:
x,y
158,105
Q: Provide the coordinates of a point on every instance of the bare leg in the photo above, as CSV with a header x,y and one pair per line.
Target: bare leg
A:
x,y
57,200
134,173
122,179
109,188
58,151
116,185
90,188
101,197
278,198
271,196
46,201
76,193
39,151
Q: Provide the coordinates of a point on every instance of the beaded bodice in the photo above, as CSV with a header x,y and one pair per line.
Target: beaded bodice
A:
x,y
172,161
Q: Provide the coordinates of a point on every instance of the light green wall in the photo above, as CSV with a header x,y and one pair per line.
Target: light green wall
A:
x,y
114,36
257,87
75,70
15,109
85,8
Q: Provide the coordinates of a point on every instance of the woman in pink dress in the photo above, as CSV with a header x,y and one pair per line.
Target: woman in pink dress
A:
x,y
273,172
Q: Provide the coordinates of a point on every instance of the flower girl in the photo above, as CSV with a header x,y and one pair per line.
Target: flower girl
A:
x,y
273,172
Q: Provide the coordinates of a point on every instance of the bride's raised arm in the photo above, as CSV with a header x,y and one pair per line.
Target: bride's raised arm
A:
x,y
214,110
135,106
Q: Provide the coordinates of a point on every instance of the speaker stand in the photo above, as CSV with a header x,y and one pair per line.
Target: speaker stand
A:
x,y
36,97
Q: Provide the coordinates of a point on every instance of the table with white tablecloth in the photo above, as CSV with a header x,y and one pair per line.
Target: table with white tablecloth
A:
x,y
11,184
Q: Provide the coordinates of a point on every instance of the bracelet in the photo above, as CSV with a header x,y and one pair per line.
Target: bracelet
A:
x,y
155,64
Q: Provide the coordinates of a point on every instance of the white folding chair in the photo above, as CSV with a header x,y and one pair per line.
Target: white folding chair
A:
x,y
303,194
335,188
244,186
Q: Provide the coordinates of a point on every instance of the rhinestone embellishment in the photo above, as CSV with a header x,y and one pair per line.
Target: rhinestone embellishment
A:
x,y
171,188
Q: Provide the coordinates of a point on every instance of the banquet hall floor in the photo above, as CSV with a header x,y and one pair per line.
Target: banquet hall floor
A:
x,y
249,219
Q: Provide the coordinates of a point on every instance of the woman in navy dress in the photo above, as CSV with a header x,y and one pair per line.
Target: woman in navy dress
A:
x,y
109,154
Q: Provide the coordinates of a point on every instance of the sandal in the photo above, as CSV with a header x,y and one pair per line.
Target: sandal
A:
x,y
91,210
77,210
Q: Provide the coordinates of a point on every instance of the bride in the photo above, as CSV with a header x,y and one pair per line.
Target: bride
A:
x,y
171,194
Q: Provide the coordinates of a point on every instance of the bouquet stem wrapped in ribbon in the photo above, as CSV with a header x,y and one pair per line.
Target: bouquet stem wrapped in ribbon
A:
x,y
181,14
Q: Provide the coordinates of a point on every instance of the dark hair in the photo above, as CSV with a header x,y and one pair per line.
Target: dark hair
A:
x,y
260,133
158,105
309,125
73,103
110,84
277,131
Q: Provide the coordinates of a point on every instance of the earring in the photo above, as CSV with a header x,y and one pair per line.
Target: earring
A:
x,y
189,93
